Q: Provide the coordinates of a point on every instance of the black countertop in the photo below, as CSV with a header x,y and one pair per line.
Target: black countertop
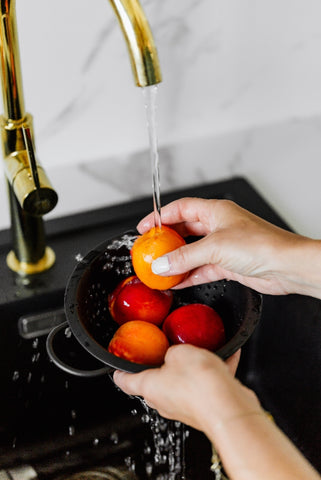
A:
x,y
282,361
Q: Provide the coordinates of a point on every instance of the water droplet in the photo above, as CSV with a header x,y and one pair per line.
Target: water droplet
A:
x,y
71,430
73,414
35,343
15,376
95,441
78,257
134,411
35,357
68,332
130,463
147,450
149,468
114,438
145,418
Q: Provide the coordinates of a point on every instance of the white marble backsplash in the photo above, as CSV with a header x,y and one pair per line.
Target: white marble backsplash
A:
x,y
241,95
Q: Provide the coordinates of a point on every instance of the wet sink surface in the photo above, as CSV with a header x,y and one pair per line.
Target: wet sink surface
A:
x,y
43,408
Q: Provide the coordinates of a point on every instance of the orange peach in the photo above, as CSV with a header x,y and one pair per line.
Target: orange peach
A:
x,y
139,342
151,245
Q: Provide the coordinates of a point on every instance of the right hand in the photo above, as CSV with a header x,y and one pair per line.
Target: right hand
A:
x,y
237,245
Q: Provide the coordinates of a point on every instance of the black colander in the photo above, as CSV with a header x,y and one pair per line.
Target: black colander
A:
x,y
86,308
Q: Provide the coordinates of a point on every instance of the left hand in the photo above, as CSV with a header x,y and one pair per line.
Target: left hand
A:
x,y
191,386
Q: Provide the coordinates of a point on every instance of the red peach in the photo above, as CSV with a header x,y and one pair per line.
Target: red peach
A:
x,y
139,342
197,324
133,300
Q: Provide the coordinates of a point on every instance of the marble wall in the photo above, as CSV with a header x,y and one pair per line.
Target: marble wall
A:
x,y
227,65
238,77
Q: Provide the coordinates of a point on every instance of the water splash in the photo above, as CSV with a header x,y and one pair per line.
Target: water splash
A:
x,y
117,255
79,257
165,456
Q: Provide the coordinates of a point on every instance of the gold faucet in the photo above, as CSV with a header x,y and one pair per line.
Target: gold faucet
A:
x,y
30,193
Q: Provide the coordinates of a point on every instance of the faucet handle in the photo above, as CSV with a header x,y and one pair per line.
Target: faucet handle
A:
x,y
31,185
31,154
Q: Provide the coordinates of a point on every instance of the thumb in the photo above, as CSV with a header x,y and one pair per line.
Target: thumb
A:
x,y
185,258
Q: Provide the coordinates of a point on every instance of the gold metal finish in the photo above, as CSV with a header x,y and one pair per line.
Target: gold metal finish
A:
x,y
13,100
27,268
30,192
140,42
28,201
36,199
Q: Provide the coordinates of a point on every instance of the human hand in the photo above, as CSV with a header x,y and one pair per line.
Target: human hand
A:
x,y
196,387
191,386
237,245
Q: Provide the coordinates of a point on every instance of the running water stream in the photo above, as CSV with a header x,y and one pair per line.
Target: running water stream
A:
x,y
168,437
150,96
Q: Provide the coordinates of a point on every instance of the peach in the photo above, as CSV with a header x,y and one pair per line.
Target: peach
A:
x,y
139,342
197,324
133,300
151,245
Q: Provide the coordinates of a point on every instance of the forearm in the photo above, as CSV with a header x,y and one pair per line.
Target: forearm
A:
x,y
301,271
251,447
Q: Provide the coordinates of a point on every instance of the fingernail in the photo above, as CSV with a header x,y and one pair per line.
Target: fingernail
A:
x,y
160,265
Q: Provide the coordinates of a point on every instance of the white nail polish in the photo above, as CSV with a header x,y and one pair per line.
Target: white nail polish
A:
x,y
160,265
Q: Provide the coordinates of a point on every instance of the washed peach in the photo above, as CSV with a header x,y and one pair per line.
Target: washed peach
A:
x,y
151,245
197,324
139,342
133,300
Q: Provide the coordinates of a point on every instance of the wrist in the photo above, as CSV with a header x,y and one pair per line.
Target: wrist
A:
x,y
302,273
251,446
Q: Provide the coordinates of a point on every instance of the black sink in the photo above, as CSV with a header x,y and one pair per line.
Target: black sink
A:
x,y
46,413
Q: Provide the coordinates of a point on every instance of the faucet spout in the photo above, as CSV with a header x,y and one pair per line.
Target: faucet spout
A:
x,y
30,192
140,42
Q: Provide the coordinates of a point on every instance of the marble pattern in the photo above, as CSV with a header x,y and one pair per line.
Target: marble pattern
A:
x,y
240,95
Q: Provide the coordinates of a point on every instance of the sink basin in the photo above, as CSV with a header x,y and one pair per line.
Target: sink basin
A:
x,y
45,412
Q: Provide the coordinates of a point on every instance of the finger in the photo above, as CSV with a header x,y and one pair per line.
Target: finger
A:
x,y
187,214
186,258
128,382
204,274
233,361
146,223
